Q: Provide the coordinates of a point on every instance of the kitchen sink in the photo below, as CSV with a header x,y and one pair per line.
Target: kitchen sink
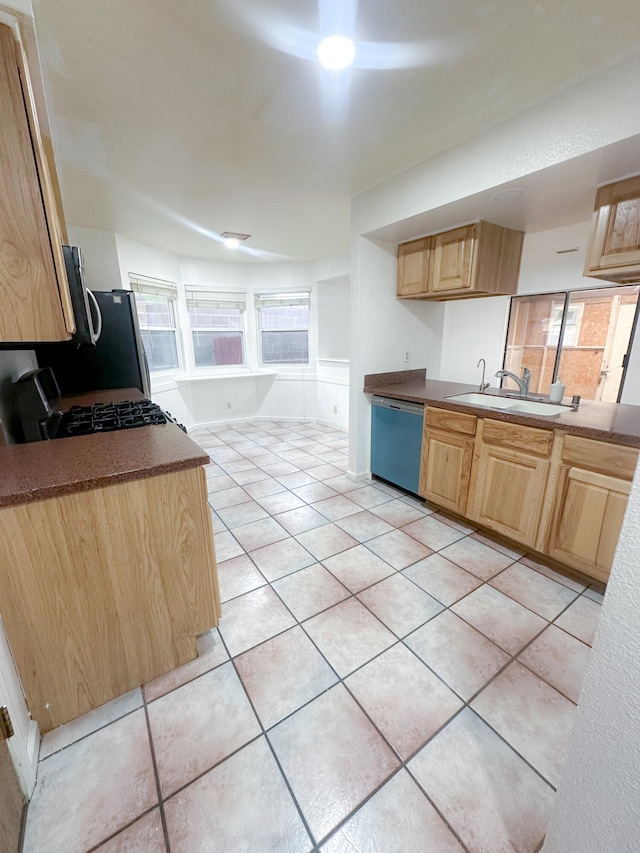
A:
x,y
510,404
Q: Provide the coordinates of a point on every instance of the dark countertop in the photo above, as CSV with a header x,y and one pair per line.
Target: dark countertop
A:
x,y
49,469
614,422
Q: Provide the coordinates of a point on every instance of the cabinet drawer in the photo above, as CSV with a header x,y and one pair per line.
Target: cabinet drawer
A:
x,y
516,437
613,459
450,421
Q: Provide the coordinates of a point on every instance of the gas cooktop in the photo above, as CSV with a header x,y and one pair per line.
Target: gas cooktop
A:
x,y
107,417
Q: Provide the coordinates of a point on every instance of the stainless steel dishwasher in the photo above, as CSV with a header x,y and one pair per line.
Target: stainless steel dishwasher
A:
x,y
396,441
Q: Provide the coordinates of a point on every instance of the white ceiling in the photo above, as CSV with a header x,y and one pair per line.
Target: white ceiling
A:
x,y
175,120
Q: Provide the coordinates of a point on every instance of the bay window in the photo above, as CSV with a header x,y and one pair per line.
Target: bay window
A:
x,y
283,323
216,319
156,310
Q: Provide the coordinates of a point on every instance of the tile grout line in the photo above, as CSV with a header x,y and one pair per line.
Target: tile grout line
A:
x,y
163,816
223,447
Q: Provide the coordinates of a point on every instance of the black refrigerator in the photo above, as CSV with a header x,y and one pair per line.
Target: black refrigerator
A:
x,y
116,360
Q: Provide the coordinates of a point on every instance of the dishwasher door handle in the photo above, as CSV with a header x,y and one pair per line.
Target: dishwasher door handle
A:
x,y
398,405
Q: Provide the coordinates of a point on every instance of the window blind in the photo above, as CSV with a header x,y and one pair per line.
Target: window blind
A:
x,y
273,300
215,299
153,286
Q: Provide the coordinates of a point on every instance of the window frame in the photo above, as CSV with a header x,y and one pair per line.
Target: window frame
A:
x,y
140,284
224,299
282,298
564,296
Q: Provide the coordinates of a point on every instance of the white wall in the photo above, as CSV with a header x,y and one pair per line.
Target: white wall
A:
x,y
597,806
332,389
383,329
134,257
599,111
333,318
100,254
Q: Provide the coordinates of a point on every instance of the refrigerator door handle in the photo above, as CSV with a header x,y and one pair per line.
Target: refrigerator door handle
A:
x,y
96,330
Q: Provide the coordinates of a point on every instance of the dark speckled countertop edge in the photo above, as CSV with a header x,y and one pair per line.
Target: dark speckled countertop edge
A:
x,y
50,469
612,422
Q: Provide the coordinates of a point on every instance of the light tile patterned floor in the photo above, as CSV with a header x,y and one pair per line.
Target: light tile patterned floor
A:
x,y
384,678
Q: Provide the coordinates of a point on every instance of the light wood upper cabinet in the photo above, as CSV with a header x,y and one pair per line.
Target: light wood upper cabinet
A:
x,y
413,267
35,303
509,479
590,501
452,260
447,453
614,248
477,260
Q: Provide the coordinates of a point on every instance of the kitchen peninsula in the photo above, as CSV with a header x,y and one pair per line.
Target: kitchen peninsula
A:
x,y
557,485
107,562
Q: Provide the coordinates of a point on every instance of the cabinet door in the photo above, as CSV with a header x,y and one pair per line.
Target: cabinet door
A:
x,y
33,290
413,267
451,260
445,469
587,519
615,248
508,491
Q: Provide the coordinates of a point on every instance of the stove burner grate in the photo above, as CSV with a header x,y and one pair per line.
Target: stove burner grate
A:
x,y
107,417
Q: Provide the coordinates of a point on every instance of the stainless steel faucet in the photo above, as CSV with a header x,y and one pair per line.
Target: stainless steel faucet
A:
x,y
523,384
483,385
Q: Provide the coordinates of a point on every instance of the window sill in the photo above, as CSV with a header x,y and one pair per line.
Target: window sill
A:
x,y
207,377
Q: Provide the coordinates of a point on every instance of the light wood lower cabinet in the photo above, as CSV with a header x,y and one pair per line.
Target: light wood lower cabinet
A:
x,y
447,453
101,591
508,484
590,501
561,495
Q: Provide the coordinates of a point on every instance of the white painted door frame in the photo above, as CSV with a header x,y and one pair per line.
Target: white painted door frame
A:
x,y
24,746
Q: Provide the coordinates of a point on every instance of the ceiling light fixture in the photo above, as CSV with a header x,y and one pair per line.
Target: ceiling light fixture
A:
x,y
232,239
336,52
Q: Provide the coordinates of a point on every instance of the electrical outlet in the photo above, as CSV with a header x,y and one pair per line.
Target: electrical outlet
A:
x,y
228,405
407,356
335,410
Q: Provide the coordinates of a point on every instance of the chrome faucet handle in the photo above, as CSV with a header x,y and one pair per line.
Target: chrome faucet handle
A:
x,y
483,384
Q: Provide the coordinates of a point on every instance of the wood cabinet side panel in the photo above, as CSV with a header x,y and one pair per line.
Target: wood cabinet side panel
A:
x,y
29,293
104,590
51,197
